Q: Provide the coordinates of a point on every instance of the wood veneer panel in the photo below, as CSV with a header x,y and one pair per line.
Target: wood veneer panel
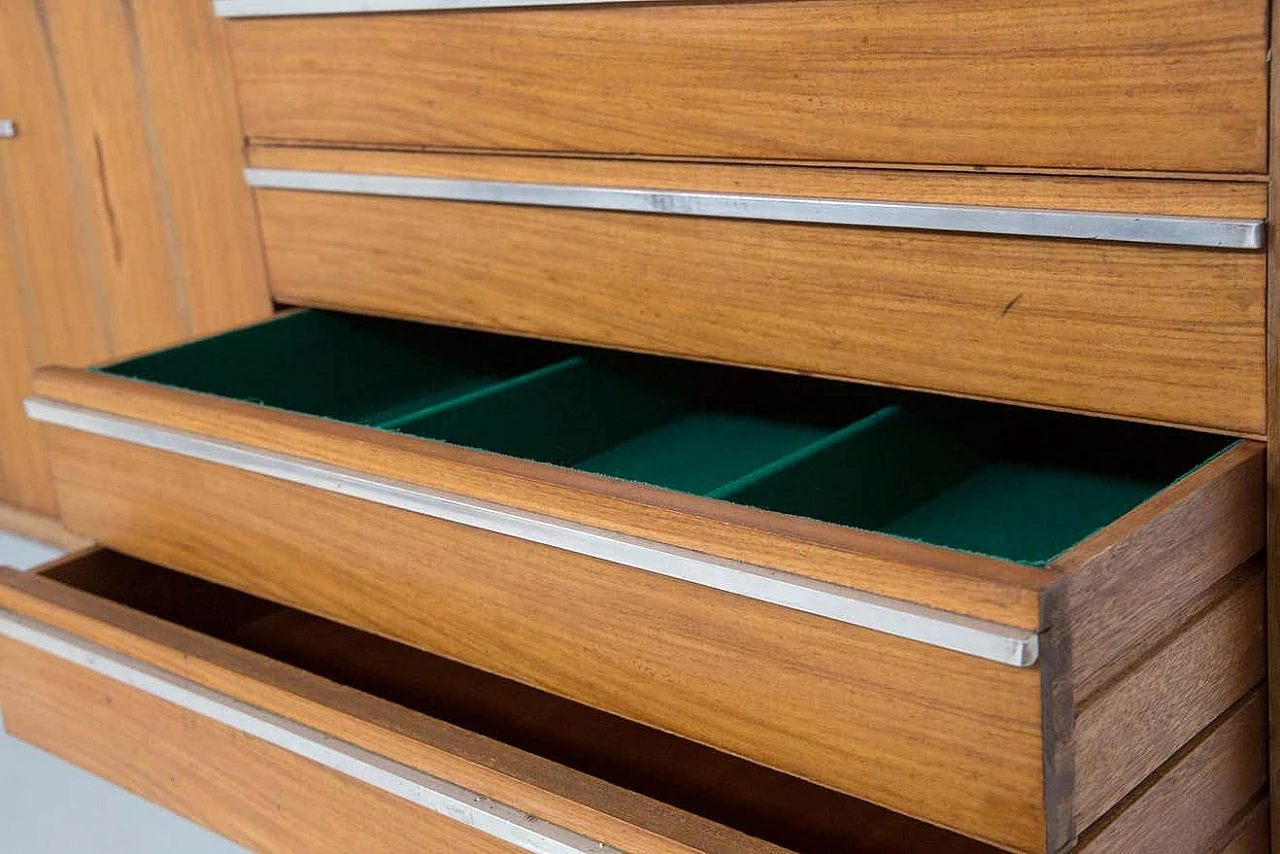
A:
x,y
1132,726
183,54
25,478
1253,833
1191,804
1167,334
110,134
939,735
1141,84
1124,583
36,526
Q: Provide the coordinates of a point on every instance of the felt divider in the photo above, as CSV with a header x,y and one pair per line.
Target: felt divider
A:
x,y
343,367
1014,483
618,416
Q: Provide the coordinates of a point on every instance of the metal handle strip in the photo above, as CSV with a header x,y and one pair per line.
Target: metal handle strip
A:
x,y
977,219
292,8
485,815
980,638
8,130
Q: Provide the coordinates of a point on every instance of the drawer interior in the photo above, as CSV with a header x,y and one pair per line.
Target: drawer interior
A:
x,y
1022,485
787,811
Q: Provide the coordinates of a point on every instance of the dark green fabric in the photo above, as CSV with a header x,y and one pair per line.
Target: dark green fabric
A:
x,y
1014,483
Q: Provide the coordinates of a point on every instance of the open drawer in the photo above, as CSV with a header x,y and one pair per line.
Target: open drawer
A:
x,y
286,732
958,611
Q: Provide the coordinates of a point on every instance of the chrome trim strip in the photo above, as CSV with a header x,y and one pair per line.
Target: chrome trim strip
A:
x,y
282,8
981,638
450,800
979,219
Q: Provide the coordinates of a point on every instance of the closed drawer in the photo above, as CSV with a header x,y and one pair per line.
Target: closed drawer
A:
x,y
1038,290
851,585
286,732
1174,85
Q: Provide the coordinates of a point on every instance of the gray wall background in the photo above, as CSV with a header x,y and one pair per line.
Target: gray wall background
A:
x,y
48,806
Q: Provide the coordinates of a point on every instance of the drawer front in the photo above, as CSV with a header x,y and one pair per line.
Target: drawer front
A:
x,y
889,291
1175,85
230,726
690,630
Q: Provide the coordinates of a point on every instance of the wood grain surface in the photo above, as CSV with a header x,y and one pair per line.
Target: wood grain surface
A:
x,y
1140,84
982,587
614,815
1192,803
24,471
1152,709
36,526
1253,832
51,292
183,57
112,141
125,222
1124,584
938,735
1169,334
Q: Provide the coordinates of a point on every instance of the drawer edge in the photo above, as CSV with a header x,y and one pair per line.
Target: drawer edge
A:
x,y
486,815
980,638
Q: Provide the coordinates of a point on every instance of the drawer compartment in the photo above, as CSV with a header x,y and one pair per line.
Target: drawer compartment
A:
x,y
1032,310
1173,85
287,732
848,584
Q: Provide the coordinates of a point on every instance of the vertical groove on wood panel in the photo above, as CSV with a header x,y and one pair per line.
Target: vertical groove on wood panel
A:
x,y
185,65
155,161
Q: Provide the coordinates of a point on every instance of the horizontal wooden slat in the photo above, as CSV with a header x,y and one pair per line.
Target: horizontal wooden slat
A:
x,y
1191,804
1062,83
1126,731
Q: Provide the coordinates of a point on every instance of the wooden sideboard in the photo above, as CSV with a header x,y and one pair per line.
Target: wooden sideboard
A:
x,y
865,402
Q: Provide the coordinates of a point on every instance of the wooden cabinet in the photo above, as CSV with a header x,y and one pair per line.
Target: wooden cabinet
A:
x,y
707,426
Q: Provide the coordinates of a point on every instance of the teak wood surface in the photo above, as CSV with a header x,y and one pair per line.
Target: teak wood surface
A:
x,y
1139,84
1157,333
750,678
530,783
125,224
59,707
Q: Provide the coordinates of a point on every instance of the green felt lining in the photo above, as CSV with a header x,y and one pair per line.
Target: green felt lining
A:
x,y
1012,483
